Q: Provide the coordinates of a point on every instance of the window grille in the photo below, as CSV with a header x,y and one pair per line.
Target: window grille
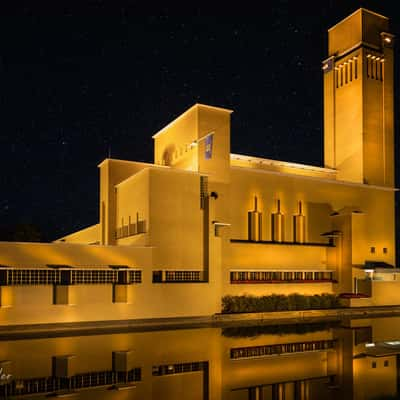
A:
x,y
160,370
135,276
79,381
203,191
280,276
278,349
55,277
177,276
32,277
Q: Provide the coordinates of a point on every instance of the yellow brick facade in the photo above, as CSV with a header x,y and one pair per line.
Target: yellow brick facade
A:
x,y
184,222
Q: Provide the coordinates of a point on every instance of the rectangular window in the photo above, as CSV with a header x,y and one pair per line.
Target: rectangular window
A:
x,y
298,276
356,68
308,276
277,276
288,276
203,191
135,276
368,67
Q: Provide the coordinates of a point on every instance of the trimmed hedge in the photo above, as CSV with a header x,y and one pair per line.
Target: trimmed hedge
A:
x,y
278,302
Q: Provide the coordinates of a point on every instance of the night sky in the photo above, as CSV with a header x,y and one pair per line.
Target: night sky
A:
x,y
77,84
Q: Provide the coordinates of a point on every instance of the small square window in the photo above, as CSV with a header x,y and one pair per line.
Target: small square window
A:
x,y
385,250
372,249
386,363
373,364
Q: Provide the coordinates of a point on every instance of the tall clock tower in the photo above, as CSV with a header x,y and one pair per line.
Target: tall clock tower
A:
x,y
358,100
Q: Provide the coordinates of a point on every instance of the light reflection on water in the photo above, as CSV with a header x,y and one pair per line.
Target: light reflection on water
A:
x,y
353,360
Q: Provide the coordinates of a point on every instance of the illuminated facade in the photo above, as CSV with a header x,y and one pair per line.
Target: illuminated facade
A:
x,y
199,223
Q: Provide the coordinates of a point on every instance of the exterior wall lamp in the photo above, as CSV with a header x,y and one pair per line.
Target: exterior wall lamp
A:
x,y
196,142
218,225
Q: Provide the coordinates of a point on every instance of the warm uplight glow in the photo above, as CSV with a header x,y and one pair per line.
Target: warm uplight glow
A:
x,y
196,142
197,227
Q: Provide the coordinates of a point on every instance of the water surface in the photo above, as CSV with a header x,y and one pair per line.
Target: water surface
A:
x,y
356,359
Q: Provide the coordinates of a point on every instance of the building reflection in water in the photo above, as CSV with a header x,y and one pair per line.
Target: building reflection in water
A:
x,y
352,360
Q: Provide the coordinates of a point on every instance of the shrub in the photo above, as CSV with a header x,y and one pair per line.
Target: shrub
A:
x,y
278,302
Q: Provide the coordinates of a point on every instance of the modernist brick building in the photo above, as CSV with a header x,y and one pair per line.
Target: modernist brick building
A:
x,y
200,223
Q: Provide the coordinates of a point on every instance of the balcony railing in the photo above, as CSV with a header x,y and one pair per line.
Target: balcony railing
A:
x,y
281,276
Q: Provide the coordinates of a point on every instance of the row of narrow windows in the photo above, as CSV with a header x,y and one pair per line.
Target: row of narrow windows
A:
x,y
19,387
298,390
277,276
130,228
171,369
67,277
346,72
276,349
83,277
178,276
203,191
76,277
349,70
385,364
375,67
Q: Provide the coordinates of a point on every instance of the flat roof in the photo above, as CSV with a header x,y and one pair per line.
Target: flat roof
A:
x,y
355,12
186,112
314,178
277,163
123,161
160,167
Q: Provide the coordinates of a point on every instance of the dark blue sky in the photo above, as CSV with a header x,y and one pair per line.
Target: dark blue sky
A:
x,y
76,82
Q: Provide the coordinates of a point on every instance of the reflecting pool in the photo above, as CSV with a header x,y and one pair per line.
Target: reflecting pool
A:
x,y
355,359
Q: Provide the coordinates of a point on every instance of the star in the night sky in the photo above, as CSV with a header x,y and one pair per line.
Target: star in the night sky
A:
x,y
86,80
